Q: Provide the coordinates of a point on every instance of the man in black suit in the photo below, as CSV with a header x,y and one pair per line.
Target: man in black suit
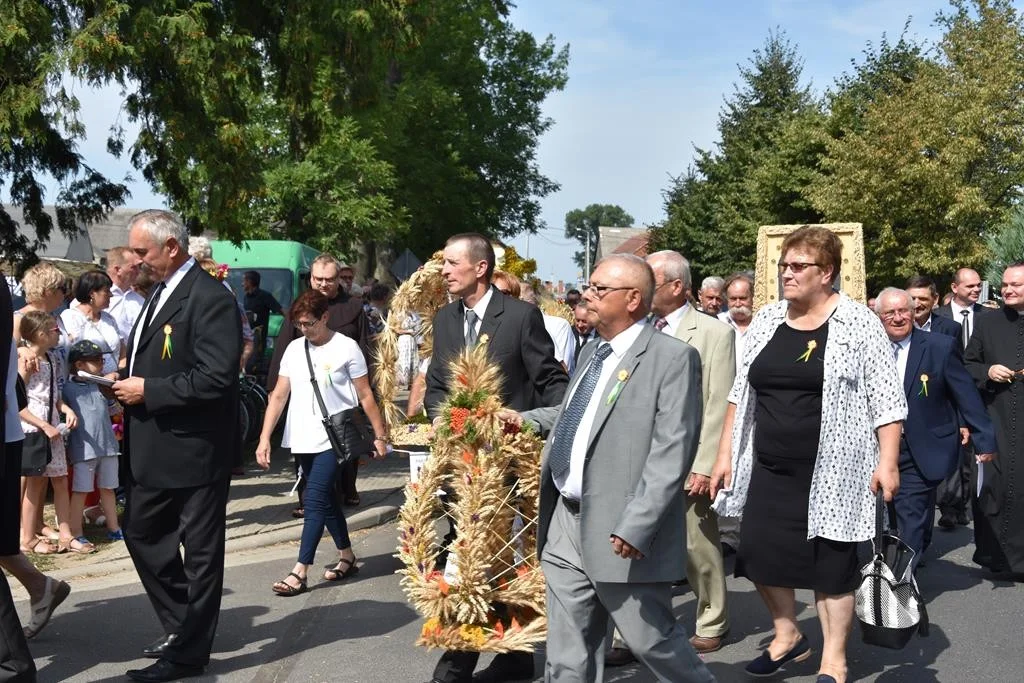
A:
x,y
15,659
180,391
925,296
581,328
518,343
954,494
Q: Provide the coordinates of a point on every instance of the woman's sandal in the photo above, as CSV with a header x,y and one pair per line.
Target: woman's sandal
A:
x,y
84,546
286,590
335,573
33,549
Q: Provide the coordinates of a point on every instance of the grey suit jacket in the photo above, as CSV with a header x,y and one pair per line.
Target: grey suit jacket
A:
x,y
640,451
715,341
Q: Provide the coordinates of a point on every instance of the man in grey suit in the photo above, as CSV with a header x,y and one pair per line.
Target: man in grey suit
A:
x,y
611,528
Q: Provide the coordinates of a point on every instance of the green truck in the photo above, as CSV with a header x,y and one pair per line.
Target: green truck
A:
x,y
284,272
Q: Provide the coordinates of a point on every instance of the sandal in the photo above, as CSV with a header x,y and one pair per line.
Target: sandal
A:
x,y
48,548
335,573
54,594
84,547
286,590
48,533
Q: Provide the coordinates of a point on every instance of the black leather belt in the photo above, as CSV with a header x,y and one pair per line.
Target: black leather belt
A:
x,y
571,505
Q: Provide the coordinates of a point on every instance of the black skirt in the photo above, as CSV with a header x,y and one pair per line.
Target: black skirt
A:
x,y
774,548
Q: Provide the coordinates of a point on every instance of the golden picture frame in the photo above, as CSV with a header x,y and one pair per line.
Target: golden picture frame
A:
x,y
852,277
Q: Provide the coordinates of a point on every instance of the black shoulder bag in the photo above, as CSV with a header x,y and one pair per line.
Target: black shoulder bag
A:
x,y
349,431
36,450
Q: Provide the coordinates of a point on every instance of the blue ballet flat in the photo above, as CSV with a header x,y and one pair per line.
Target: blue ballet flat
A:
x,y
765,666
825,678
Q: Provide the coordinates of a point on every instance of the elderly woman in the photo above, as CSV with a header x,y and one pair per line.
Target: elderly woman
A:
x,y
342,380
88,319
811,432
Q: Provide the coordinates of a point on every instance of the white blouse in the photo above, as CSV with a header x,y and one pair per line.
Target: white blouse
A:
x,y
861,392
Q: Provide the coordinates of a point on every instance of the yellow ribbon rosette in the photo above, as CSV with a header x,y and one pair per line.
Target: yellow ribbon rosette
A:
x,y
165,353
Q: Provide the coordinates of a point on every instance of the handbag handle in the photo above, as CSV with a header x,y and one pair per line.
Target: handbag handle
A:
x,y
880,509
316,387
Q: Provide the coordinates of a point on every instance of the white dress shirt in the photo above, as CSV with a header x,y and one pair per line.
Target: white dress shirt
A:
x,y
169,285
125,307
741,335
927,327
901,357
959,316
480,308
673,319
572,486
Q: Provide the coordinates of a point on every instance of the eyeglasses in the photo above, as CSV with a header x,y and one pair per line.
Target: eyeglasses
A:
x,y
796,266
889,315
601,290
666,282
306,324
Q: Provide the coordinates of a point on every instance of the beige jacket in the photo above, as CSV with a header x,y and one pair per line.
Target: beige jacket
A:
x,y
715,342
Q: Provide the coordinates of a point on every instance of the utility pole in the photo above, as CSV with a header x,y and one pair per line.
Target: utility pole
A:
x,y
586,269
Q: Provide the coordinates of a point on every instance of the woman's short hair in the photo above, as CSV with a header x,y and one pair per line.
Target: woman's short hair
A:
x,y
33,323
311,302
199,247
506,282
42,278
820,240
89,283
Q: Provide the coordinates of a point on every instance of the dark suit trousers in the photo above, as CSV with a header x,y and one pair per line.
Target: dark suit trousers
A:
x,y
185,593
915,505
954,494
15,660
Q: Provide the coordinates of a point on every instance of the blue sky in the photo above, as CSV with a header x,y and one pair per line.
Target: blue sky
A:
x,y
646,81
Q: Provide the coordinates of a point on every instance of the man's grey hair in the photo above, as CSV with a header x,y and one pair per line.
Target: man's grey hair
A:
x,y
326,259
199,247
737,277
639,268
712,281
674,266
161,225
893,291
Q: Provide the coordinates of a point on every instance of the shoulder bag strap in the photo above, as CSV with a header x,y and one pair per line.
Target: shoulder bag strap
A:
x,y
879,521
316,387
53,377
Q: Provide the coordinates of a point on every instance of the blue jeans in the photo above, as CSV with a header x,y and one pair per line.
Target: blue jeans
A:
x,y
321,505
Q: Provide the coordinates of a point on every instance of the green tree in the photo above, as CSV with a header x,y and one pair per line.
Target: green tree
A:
x,y
581,223
937,156
39,130
1005,246
772,137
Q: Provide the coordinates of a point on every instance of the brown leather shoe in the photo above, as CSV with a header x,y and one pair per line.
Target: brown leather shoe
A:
x,y
618,656
705,645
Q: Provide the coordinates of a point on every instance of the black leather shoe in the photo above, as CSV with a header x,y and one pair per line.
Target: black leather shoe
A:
x,y
618,656
163,670
765,666
511,666
155,650
947,521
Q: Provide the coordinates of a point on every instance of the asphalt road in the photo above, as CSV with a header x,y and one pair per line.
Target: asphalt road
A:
x,y
362,630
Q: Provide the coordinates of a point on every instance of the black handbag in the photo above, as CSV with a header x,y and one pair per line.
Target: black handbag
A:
x,y
37,449
888,603
349,431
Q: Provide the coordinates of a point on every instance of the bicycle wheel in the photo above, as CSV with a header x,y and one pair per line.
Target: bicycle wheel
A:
x,y
244,420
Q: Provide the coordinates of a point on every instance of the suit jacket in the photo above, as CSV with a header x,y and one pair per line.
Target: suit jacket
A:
x,y
640,451
185,433
517,342
946,311
946,325
932,425
715,341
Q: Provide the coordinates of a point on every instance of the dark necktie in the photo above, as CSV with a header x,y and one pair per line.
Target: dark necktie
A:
x,y
896,350
569,423
470,328
965,327
151,309
659,323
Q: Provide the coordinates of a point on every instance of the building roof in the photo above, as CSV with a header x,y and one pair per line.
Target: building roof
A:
x,y
89,245
621,241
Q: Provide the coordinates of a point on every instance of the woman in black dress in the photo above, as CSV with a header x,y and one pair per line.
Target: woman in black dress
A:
x,y
816,407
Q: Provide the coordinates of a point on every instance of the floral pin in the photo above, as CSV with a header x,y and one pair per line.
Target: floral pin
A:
x,y
617,389
806,355
165,353
924,386
483,339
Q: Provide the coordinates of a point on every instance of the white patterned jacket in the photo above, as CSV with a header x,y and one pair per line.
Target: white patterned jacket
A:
x,y
861,392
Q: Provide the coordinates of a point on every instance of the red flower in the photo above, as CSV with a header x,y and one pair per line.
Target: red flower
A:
x,y
458,418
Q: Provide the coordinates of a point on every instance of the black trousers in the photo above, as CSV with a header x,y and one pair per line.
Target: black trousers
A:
x,y
456,666
15,659
185,592
954,493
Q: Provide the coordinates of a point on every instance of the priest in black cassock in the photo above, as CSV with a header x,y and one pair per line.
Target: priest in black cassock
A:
x,y
995,359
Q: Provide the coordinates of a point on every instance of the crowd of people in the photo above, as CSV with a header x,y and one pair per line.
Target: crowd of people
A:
x,y
681,428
